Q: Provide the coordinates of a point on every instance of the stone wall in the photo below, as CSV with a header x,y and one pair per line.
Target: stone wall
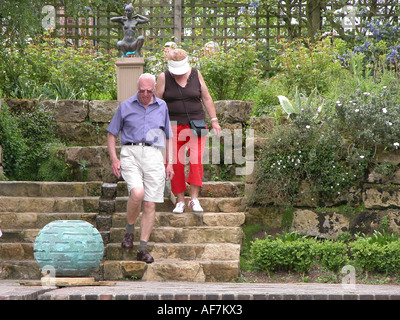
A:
x,y
82,125
374,205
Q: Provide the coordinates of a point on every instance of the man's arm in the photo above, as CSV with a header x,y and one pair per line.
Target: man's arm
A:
x,y
115,163
169,170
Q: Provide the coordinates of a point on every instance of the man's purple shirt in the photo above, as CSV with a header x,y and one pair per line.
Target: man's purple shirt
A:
x,y
139,124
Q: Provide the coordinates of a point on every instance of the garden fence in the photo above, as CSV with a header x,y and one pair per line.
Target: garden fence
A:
x,y
195,22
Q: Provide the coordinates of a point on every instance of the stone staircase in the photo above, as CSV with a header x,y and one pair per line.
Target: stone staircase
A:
x,y
186,247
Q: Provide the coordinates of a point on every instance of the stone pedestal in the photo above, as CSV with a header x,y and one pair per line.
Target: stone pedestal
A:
x,y
128,73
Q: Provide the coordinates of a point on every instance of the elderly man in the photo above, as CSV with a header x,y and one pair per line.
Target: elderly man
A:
x,y
143,122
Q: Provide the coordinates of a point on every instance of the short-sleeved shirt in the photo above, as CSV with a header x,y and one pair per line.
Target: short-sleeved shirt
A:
x,y
139,124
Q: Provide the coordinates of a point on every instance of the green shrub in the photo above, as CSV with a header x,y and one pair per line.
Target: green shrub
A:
x,y
13,143
230,74
308,152
26,139
370,119
306,65
379,252
49,68
332,254
290,254
53,168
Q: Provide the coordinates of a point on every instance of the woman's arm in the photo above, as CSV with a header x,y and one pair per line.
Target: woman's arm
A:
x,y
160,86
209,104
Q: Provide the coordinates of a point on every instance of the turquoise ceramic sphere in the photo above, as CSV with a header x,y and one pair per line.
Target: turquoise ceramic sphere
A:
x,y
74,248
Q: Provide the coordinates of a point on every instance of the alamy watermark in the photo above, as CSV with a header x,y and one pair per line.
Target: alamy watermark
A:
x,y
349,278
49,20
350,20
48,279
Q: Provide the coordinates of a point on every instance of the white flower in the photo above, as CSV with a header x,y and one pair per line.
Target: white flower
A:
x,y
396,144
362,157
356,110
366,93
384,110
308,127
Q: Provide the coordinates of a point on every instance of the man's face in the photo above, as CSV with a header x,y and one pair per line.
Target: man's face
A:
x,y
146,90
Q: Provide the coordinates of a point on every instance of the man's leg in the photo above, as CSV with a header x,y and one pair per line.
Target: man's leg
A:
x,y
146,226
132,213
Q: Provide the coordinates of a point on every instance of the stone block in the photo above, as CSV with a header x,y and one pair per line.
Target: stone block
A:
x,y
102,111
69,110
381,196
232,111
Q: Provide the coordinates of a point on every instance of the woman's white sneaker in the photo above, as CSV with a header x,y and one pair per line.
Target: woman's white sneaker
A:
x,y
195,205
179,208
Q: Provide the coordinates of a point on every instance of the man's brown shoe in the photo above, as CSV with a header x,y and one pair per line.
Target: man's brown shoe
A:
x,y
127,243
145,256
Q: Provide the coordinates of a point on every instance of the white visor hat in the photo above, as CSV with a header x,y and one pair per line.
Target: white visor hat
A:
x,y
178,67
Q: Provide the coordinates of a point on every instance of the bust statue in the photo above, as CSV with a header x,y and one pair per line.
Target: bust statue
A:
x,y
130,45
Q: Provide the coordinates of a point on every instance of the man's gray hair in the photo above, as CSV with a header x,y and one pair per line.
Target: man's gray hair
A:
x,y
147,75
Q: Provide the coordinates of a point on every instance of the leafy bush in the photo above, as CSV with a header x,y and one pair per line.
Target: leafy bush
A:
x,y
306,65
13,143
230,73
370,119
26,139
308,151
291,252
332,254
49,68
284,254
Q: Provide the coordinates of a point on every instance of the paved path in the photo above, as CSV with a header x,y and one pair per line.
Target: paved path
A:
x,y
140,290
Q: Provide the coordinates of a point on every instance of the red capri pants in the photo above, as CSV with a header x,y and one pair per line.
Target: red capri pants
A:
x,y
183,138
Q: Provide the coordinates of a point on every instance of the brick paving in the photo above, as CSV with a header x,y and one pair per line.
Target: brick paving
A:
x,y
141,290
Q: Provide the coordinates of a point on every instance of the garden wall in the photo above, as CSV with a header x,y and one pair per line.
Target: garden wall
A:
x,y
374,204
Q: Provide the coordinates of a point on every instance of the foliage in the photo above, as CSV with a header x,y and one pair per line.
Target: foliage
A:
x,y
332,254
230,73
282,254
292,252
309,151
379,252
13,143
26,139
370,119
49,69
306,65
378,44
53,167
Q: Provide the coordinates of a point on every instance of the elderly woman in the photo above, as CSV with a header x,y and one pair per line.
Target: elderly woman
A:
x,y
184,90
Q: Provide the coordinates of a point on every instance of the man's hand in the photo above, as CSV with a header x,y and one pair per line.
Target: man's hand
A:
x,y
116,167
169,171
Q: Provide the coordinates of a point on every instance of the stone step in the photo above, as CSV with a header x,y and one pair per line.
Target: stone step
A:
x,y
215,189
16,225
16,251
173,270
19,269
168,219
14,221
182,251
204,234
208,204
49,189
50,204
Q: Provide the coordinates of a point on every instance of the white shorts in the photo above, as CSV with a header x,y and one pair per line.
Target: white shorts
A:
x,y
143,167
